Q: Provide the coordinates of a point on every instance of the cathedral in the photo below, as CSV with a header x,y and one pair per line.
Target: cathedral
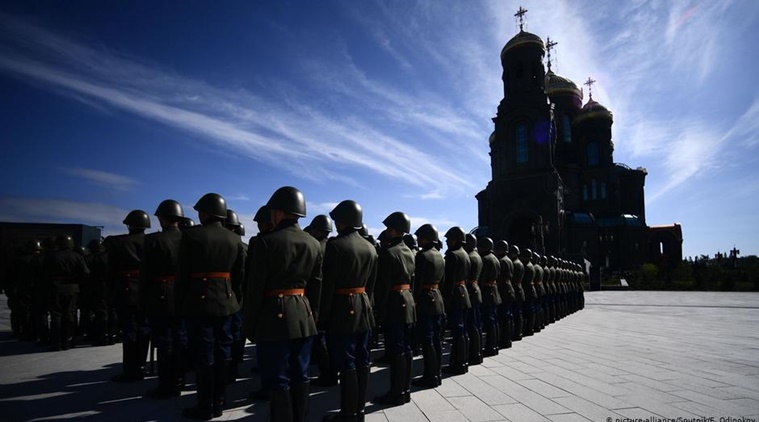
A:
x,y
555,187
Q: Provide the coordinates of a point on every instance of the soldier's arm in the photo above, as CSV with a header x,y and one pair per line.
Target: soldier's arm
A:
x,y
255,280
238,272
314,285
328,283
382,286
372,281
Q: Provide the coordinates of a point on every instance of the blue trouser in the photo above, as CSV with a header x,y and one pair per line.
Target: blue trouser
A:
x,y
397,337
457,321
210,339
429,327
283,362
235,327
349,351
474,318
168,333
489,315
134,325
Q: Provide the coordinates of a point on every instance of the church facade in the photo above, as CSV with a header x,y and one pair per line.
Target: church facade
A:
x,y
555,187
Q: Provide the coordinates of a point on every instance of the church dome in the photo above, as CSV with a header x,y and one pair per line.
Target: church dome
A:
x,y
492,138
559,85
593,110
523,39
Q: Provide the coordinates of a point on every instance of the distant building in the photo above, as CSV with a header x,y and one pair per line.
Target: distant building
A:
x,y
555,187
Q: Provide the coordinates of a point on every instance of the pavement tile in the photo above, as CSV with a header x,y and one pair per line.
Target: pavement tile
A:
x,y
431,401
568,417
446,416
543,388
585,408
520,413
475,410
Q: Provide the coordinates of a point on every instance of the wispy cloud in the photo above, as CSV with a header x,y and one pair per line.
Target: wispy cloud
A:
x,y
306,141
102,178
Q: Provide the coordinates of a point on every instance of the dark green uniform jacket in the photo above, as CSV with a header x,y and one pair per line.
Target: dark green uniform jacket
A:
x,y
287,258
505,288
475,270
538,281
349,262
527,278
395,267
430,270
457,270
491,271
124,255
159,268
65,269
210,270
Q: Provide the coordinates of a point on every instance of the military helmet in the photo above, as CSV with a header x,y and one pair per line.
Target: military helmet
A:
x,y
263,215
322,223
398,221
427,231
456,233
232,220
364,231
410,241
96,245
289,200
544,260
485,243
240,229
501,246
186,222
81,250
169,208
536,258
514,249
34,246
212,204
348,212
526,254
383,237
137,219
64,241
471,240
48,244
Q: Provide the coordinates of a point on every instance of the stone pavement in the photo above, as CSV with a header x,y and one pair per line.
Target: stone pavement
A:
x,y
638,355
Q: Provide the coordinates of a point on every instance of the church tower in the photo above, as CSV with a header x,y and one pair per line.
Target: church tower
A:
x,y
522,202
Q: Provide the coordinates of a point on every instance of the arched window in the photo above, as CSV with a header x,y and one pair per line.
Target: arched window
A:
x,y
566,124
603,190
593,154
584,192
522,145
594,190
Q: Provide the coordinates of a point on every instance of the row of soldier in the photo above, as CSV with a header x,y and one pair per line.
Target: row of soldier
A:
x,y
203,290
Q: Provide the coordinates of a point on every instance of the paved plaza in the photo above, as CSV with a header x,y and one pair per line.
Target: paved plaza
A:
x,y
636,355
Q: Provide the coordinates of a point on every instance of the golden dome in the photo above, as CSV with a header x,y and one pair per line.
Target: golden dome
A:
x,y
559,85
523,38
593,110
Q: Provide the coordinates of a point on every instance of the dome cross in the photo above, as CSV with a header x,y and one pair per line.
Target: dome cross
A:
x,y
590,83
520,15
549,46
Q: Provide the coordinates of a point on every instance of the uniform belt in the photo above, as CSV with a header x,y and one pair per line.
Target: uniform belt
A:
x,y
430,286
350,291
210,275
165,279
400,287
459,283
491,283
285,292
473,282
130,273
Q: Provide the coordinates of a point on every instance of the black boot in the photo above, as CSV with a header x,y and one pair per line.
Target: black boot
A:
x,y
475,347
56,339
221,376
299,396
167,386
280,406
431,377
504,338
262,394
362,374
409,372
142,347
491,340
396,396
348,398
516,333
204,379
238,352
131,372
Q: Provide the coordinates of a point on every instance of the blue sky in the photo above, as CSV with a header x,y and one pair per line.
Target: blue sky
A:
x,y
112,106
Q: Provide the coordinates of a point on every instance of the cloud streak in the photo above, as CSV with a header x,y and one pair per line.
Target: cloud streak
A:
x,y
103,178
304,140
